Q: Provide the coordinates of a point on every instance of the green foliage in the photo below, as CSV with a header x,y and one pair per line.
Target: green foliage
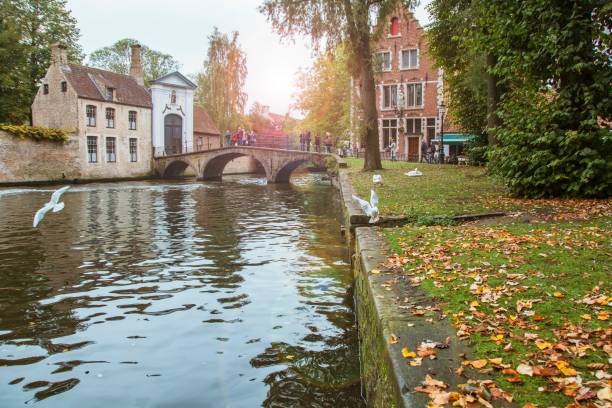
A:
x,y
36,132
450,36
331,165
28,28
558,89
221,82
324,94
117,58
477,151
257,119
13,86
429,221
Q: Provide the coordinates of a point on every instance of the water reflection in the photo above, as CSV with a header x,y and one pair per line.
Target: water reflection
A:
x,y
177,294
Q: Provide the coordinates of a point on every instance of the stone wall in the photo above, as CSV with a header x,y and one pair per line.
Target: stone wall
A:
x,y
31,161
26,161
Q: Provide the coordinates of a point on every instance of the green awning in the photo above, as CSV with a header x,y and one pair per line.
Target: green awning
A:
x,y
455,138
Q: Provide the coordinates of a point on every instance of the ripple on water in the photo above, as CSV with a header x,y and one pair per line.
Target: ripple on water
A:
x,y
143,283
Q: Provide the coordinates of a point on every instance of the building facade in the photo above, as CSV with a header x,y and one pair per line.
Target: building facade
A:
x,y
117,125
109,113
408,87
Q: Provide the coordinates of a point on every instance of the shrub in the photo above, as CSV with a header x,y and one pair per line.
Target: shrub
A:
x,y
36,132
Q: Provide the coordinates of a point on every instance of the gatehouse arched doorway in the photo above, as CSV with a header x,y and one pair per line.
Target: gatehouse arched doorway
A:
x,y
173,134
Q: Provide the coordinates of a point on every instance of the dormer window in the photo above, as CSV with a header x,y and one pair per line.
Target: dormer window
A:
x,y
64,86
46,89
394,30
173,97
110,93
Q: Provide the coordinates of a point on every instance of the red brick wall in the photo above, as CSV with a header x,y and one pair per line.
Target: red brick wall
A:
x,y
411,36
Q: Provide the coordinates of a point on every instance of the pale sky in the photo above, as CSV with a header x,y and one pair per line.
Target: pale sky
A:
x,y
181,28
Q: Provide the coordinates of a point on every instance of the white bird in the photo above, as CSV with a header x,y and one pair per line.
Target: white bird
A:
x,y
53,204
371,208
414,173
377,179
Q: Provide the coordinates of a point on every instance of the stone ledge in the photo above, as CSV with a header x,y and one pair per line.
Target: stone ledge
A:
x,y
386,292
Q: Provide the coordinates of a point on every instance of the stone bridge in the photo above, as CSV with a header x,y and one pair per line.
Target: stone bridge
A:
x,y
209,164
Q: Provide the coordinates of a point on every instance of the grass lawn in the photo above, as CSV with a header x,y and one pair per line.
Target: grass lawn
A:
x,y
536,296
447,190
533,299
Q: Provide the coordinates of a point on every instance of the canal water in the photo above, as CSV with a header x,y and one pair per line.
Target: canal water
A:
x,y
177,294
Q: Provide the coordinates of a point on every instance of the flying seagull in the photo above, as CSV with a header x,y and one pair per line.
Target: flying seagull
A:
x,y
414,173
377,179
53,204
371,208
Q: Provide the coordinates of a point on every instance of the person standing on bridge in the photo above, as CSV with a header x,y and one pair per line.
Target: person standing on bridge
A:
x,y
328,142
302,138
318,144
308,140
234,138
227,136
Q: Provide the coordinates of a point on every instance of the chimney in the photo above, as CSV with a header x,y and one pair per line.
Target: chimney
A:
x,y
135,70
59,54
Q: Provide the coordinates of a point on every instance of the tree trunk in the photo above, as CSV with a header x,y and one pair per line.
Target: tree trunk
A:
x,y
368,102
492,100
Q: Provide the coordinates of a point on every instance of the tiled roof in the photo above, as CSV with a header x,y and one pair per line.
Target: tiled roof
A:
x,y
91,83
202,123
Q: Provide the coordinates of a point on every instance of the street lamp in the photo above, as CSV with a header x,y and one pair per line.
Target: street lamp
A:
x,y
442,111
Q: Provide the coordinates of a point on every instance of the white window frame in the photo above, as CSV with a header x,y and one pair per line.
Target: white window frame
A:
x,y
114,152
406,95
391,106
133,154
96,152
382,66
401,59
420,128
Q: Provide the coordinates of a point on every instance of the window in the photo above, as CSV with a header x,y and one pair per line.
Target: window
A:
x,y
413,126
64,86
395,28
111,151
389,129
133,150
410,58
389,97
91,115
384,59
46,89
414,95
110,93
430,131
110,118
132,120
92,149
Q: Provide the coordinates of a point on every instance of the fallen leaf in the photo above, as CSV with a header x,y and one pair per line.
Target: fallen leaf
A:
x,y
559,294
393,339
375,271
525,369
541,344
605,394
565,368
603,316
408,354
586,316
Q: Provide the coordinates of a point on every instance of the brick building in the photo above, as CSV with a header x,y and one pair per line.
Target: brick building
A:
x,y
408,86
118,123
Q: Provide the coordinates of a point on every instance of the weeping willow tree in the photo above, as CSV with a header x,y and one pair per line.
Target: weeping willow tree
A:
x,y
221,82
352,22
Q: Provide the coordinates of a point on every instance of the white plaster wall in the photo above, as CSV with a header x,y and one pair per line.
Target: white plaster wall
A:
x,y
160,95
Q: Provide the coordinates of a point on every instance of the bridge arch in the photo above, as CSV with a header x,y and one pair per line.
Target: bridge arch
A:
x,y
213,169
283,174
176,168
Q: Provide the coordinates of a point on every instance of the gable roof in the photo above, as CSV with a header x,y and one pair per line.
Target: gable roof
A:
x,y
202,123
91,83
182,77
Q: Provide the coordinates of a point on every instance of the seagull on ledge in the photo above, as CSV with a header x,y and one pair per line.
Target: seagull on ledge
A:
x,y
371,208
53,204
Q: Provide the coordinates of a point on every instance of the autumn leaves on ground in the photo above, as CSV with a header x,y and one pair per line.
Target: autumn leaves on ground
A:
x,y
530,292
